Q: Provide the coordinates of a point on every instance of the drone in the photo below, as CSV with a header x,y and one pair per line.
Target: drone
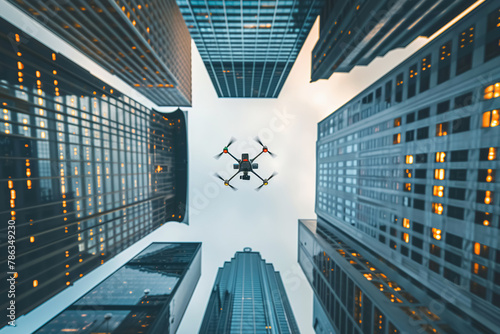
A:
x,y
245,165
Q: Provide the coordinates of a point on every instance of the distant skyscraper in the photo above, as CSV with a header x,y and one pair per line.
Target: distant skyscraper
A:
x,y
355,32
409,168
248,297
149,294
84,171
144,43
249,47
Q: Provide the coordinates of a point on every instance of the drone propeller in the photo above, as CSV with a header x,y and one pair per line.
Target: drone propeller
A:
x,y
264,147
232,140
265,182
226,182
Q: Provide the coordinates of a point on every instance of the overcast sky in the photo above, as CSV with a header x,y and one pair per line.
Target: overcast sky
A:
x,y
223,220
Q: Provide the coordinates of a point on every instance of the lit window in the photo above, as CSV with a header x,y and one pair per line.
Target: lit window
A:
x,y
35,283
406,223
407,186
481,250
436,233
439,174
437,208
396,138
397,122
492,153
490,118
409,159
440,157
487,197
492,91
441,129
406,237
438,191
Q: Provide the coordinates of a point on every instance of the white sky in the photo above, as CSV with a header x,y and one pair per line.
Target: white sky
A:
x,y
224,220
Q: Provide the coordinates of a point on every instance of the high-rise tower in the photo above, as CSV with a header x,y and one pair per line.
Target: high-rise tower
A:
x,y
249,47
248,297
144,43
84,171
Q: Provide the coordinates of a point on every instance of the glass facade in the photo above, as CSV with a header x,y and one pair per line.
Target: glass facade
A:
x,y
138,297
249,47
84,171
409,167
355,32
248,297
144,43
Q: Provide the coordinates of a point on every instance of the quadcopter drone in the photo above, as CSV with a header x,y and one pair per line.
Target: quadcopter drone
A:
x,y
245,165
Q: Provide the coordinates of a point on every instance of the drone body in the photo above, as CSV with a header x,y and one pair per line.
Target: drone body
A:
x,y
245,165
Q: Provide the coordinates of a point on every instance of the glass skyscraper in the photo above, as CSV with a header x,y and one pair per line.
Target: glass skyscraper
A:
x,y
144,43
84,171
356,32
149,294
249,47
408,169
248,297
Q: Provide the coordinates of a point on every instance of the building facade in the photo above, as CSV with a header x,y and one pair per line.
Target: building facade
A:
x,y
248,297
356,32
149,294
249,47
84,171
409,167
144,43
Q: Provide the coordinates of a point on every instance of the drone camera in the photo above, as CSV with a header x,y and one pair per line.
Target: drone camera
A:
x,y
245,177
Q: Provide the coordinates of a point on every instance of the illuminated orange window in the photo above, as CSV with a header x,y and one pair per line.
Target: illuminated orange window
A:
x,y
489,177
492,91
397,122
440,157
439,174
490,118
406,223
35,283
437,208
438,191
408,173
408,186
487,197
396,138
409,159
406,237
481,250
486,221
32,239
436,233
492,153
441,129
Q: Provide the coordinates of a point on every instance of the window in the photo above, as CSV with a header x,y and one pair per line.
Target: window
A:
x,y
388,91
423,133
417,257
484,196
421,158
409,159
410,118
440,157
465,50
434,266
478,289
417,242
444,64
454,240
404,250
421,173
481,250
485,175
418,204
492,47
410,135
419,189
439,174
463,100
490,118
442,129
451,276
480,270
437,208
435,250
458,174
412,81
417,227
396,138
397,122
399,88
487,154
457,193
408,173
483,218
425,77
461,125
424,113
459,155
455,212
453,258
407,187
492,91
443,107
438,191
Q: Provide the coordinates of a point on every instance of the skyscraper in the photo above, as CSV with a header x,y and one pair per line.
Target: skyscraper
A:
x,y
248,297
149,294
355,32
408,168
84,171
249,47
144,43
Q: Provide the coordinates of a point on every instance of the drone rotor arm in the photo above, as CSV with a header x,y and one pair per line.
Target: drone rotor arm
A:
x,y
258,176
233,176
258,155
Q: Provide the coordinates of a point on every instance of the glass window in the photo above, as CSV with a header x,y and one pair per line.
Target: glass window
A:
x,y
412,80
399,87
425,76
444,64
465,50
492,47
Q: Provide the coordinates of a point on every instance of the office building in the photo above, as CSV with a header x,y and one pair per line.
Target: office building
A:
x,y
144,43
248,297
409,166
249,47
149,294
84,171
354,33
